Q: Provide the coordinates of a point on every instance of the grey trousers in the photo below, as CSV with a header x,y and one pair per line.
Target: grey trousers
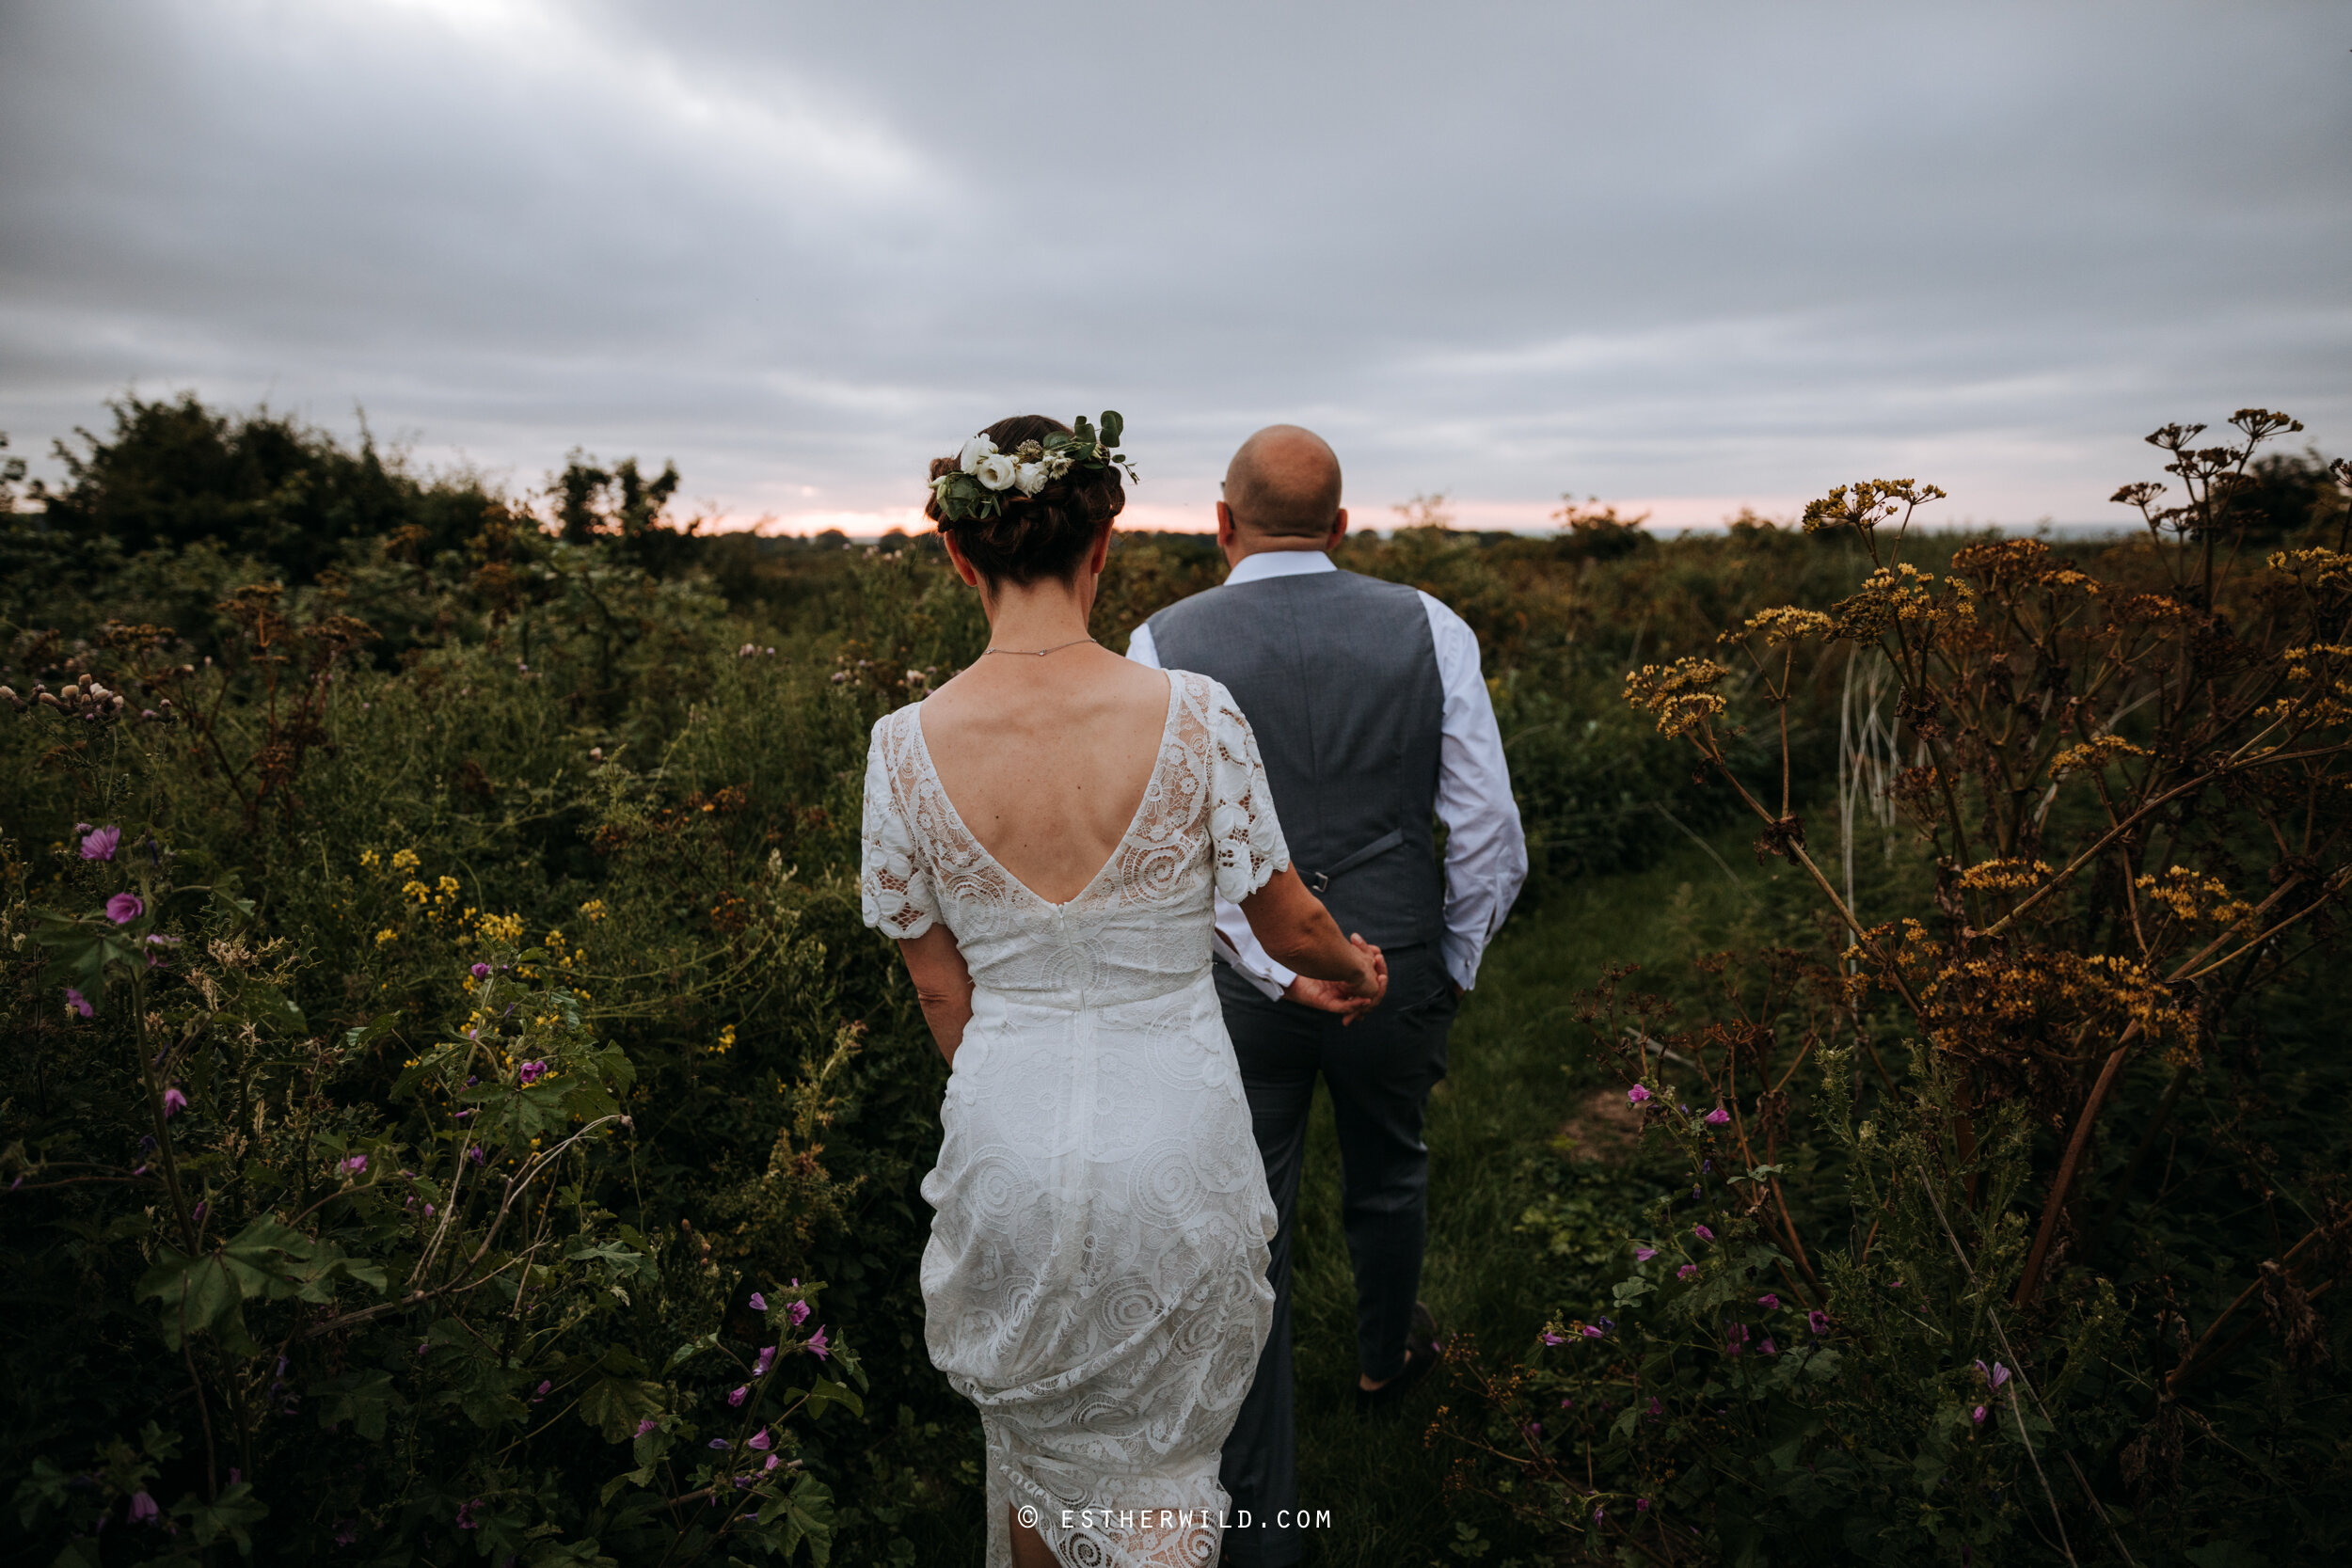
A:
x,y
1381,1070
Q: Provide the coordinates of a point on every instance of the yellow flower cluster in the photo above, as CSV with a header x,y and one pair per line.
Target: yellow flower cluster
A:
x,y
726,1042
1677,694
1910,595
2315,569
2194,898
1781,624
593,908
2092,756
2004,875
404,860
501,928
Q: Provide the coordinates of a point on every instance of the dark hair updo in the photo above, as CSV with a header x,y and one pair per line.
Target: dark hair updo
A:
x,y
1033,537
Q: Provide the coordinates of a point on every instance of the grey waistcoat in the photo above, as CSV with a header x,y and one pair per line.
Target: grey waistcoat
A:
x,y
1338,677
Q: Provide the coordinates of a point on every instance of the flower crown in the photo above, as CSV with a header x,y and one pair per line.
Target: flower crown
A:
x,y
979,489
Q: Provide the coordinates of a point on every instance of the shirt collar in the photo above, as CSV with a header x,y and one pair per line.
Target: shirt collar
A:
x,y
1266,564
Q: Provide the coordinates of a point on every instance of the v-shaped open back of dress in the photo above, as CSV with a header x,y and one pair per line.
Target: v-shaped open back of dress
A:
x,y
1095,1278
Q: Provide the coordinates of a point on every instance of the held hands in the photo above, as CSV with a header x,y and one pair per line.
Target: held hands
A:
x,y
1347,999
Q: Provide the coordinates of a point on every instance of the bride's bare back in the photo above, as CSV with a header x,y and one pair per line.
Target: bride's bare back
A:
x,y
1046,759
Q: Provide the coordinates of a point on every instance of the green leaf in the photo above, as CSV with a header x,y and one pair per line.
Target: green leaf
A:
x,y
1113,427
227,1514
827,1392
688,1350
806,1513
362,1399
614,1406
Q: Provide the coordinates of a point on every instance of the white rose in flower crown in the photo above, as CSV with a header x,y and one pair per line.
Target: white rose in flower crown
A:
x,y
993,471
1029,478
975,451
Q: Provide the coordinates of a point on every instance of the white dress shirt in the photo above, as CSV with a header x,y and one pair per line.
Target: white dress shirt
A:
x,y
1486,851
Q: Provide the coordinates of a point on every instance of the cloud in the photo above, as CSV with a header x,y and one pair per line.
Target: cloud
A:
x,y
1703,254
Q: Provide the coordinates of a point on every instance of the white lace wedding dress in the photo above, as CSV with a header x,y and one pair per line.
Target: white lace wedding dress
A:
x,y
1095,1281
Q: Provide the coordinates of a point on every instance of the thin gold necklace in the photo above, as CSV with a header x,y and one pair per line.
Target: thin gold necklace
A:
x,y
1039,653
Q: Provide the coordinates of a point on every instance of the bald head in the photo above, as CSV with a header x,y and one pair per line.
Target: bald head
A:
x,y
1284,483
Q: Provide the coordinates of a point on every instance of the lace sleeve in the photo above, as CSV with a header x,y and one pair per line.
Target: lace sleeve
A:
x,y
895,893
1243,830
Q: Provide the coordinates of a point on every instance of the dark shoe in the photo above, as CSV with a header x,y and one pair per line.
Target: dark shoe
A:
x,y
1422,1351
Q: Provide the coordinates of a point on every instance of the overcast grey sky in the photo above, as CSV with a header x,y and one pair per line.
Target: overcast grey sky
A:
x,y
1685,255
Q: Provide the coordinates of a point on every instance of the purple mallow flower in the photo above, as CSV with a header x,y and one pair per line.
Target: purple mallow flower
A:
x,y
1818,1321
143,1509
465,1515
798,1312
644,1426
1977,1416
474,1152
721,1443
1637,1094
759,1303
1688,1270
76,1003
818,1346
1768,1348
1549,1337
767,1359
1768,1301
356,1165
1644,1254
123,908
543,1390
1716,1118
737,1396
530,1072
1593,1331
1702,1233
174,1101
760,1441
100,844
481,972
1994,1377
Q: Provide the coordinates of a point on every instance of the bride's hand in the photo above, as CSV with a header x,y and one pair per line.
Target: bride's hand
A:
x,y
1372,983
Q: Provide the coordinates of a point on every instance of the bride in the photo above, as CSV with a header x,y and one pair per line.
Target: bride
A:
x,y
1044,836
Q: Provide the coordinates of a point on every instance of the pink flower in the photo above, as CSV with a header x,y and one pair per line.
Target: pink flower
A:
x,y
1637,1094
767,1359
762,1441
1716,1118
1977,1416
543,1390
174,1101
1702,1233
644,1426
773,1463
740,1395
1769,1302
1641,1505
123,908
480,972
798,1312
1818,1321
1549,1337
76,1003
143,1509
530,1072
1688,1270
1593,1331
817,1344
355,1165
100,846
1644,1254
759,1303
1767,1348
465,1515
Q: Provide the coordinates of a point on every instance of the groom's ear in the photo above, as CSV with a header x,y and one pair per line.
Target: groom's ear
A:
x,y
1224,525
1339,529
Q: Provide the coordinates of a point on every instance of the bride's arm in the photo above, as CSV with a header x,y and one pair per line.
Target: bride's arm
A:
x,y
1293,926
943,985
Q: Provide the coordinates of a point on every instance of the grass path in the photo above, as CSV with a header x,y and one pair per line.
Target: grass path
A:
x,y
1518,1068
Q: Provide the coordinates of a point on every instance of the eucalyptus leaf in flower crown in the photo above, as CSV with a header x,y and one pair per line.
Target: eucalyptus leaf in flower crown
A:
x,y
988,480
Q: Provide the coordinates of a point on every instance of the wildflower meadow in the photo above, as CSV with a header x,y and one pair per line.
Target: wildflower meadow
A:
x,y
452,1112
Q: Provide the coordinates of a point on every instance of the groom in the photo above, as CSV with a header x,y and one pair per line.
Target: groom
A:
x,y
1374,721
